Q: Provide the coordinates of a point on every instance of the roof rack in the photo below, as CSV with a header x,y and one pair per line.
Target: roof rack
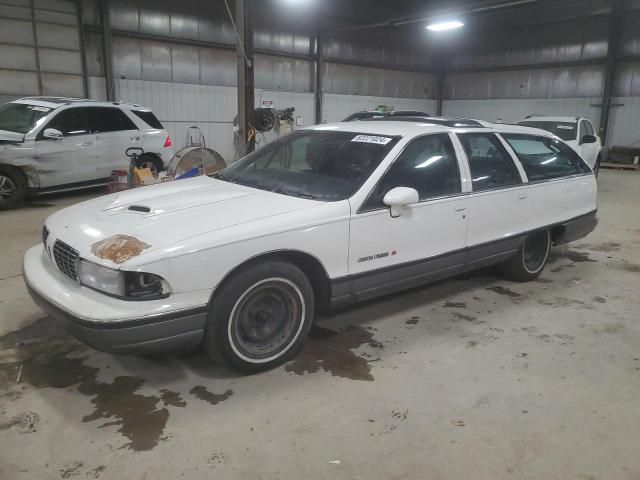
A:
x,y
447,122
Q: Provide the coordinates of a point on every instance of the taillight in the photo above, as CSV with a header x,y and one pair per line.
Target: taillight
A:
x,y
167,142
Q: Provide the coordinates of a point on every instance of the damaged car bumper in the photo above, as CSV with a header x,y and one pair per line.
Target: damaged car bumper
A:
x,y
110,324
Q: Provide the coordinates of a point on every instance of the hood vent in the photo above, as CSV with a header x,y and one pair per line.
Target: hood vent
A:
x,y
139,208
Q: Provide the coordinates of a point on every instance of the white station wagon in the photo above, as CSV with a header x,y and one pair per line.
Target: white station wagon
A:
x,y
332,214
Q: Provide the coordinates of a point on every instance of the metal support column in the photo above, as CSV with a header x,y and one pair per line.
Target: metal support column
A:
x,y
246,87
318,82
83,52
107,51
610,70
441,79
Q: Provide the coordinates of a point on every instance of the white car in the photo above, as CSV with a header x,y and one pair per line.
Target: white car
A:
x,y
577,132
331,214
52,144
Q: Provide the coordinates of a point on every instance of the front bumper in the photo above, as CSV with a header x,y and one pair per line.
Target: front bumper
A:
x,y
162,329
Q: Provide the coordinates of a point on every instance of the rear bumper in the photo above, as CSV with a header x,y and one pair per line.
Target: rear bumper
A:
x,y
130,327
577,228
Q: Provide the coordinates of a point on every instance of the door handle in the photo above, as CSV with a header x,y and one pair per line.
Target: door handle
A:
x,y
522,196
460,208
86,144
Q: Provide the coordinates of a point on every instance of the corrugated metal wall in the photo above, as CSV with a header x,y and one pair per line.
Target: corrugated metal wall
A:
x,y
190,83
507,91
195,84
39,49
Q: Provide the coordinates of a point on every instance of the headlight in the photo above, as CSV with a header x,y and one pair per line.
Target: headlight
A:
x,y
101,278
127,285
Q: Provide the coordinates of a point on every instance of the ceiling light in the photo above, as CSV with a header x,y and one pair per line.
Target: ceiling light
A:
x,y
441,26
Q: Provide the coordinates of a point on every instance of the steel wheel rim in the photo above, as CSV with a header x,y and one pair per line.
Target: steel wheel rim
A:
x,y
535,251
151,166
8,187
266,320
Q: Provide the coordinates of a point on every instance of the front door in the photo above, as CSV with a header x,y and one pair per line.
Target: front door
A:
x,y
427,240
588,151
499,201
72,159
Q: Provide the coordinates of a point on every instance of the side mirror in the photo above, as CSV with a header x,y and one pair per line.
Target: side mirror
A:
x,y
52,134
588,139
398,198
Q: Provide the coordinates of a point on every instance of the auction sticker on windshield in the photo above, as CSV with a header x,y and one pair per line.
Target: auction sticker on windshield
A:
x,y
371,139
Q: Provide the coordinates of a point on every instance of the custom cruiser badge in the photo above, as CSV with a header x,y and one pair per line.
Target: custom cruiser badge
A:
x,y
377,256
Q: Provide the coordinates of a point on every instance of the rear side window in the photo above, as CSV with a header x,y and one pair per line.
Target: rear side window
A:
x,y
490,164
545,158
427,164
105,119
149,118
72,121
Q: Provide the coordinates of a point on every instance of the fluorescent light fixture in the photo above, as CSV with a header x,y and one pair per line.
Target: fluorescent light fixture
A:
x,y
441,26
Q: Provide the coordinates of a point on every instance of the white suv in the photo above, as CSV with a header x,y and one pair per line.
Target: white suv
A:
x,y
577,132
52,144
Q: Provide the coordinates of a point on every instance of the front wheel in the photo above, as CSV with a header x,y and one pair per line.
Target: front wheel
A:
x,y
260,317
13,187
531,258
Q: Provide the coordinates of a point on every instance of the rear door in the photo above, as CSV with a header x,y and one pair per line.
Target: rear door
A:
x,y
116,132
561,186
74,158
427,241
498,201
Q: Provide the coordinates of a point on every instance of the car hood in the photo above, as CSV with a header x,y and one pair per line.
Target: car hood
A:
x,y
12,137
160,216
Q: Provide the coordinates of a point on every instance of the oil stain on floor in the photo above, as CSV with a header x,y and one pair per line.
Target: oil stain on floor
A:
x,y
43,356
333,352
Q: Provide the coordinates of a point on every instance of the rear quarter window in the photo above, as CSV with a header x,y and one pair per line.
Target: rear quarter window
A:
x,y
149,118
545,158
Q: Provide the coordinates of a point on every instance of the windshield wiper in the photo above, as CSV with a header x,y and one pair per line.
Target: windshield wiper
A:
x,y
294,194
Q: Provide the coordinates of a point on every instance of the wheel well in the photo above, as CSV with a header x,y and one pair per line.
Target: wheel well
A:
x,y
155,156
557,233
20,171
310,266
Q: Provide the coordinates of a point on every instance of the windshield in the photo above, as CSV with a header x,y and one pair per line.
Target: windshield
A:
x,y
565,130
328,166
20,117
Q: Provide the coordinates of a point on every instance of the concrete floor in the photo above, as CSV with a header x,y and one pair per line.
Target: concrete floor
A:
x,y
471,378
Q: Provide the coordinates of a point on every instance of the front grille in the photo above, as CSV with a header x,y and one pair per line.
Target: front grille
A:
x,y
66,258
45,236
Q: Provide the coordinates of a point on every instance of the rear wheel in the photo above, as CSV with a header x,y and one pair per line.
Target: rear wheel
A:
x,y
260,316
531,258
13,187
151,162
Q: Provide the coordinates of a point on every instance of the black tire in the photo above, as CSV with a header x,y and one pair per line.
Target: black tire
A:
x,y
153,163
13,187
531,258
259,318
